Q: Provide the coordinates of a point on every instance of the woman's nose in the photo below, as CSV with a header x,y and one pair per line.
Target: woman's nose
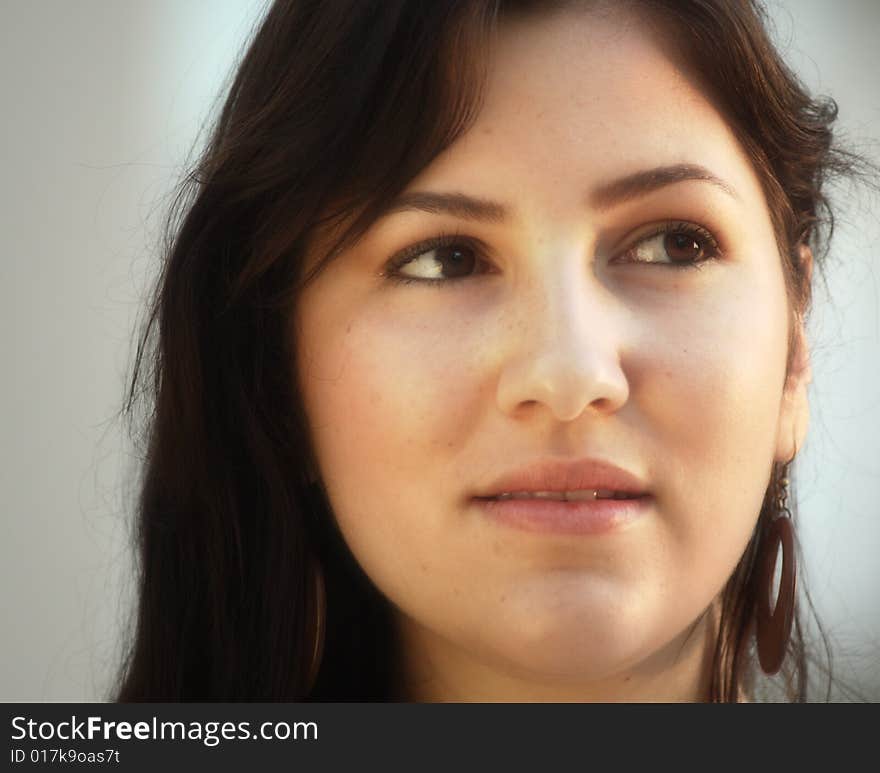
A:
x,y
565,352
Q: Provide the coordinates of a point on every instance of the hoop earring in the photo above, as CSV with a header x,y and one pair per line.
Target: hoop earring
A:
x,y
317,611
773,629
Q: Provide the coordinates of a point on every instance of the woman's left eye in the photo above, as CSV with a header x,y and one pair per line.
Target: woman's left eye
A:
x,y
680,245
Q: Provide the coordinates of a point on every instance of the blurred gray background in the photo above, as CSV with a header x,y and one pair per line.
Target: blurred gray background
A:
x,y
103,103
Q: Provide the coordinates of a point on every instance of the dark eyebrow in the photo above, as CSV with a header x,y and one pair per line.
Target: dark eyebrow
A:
x,y
455,204
603,197
649,180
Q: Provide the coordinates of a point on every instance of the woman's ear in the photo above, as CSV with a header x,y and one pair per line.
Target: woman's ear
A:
x,y
794,416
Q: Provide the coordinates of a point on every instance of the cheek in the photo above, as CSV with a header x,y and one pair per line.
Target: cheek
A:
x,y
712,392
389,400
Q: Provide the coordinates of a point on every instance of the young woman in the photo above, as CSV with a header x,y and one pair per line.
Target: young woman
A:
x,y
477,365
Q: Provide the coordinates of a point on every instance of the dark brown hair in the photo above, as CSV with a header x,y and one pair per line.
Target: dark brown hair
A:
x,y
333,109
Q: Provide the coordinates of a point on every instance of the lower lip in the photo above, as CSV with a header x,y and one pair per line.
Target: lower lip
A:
x,y
552,516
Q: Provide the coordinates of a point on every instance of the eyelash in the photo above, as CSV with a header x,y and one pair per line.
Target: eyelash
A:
x,y
449,240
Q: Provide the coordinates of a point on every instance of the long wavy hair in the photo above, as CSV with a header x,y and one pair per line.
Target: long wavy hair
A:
x,y
333,109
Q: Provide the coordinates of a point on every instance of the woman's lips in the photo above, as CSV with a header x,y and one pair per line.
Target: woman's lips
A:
x,y
556,474
553,516
566,496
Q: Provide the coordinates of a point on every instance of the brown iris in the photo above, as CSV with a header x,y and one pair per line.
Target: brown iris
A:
x,y
682,247
457,260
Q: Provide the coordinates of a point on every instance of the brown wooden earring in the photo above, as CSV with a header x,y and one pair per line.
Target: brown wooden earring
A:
x,y
773,628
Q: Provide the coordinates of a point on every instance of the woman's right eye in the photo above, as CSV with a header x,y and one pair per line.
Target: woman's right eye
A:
x,y
437,261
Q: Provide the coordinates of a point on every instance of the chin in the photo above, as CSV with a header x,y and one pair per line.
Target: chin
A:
x,y
571,649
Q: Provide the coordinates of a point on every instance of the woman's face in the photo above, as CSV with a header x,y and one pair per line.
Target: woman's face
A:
x,y
560,323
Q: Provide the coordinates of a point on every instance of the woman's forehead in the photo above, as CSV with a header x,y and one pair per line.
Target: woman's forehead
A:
x,y
579,99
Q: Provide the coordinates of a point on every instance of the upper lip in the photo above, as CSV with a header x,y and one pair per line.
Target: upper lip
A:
x,y
566,475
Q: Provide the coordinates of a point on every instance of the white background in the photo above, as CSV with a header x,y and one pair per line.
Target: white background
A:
x,y
102,103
